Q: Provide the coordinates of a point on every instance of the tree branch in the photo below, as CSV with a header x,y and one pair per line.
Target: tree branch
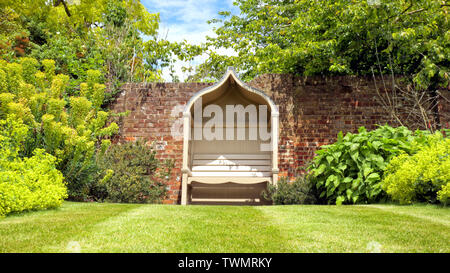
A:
x,y
66,9
415,11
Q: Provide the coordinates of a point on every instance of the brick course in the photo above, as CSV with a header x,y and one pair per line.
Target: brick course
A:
x,y
312,112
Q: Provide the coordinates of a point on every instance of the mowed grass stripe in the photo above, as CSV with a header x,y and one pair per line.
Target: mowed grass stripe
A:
x,y
360,229
232,229
50,230
162,228
428,213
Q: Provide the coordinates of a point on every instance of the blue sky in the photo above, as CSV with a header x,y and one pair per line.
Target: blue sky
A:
x,y
187,19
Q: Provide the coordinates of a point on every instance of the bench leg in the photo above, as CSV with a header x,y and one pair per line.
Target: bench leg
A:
x,y
275,179
189,198
184,189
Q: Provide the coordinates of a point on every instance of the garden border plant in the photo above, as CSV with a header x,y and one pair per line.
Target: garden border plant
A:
x,y
350,170
130,172
69,127
423,176
26,183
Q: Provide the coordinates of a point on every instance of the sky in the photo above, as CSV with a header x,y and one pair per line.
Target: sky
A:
x,y
187,19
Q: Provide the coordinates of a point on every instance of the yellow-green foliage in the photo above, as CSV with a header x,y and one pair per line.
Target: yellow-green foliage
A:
x,y
68,127
59,84
422,176
92,90
80,107
29,69
13,76
31,183
49,69
444,194
26,183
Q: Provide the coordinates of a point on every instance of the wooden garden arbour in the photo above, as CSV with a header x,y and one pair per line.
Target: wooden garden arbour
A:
x,y
217,162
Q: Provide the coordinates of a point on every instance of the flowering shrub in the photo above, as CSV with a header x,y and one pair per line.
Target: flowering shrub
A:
x,y
424,176
26,183
65,126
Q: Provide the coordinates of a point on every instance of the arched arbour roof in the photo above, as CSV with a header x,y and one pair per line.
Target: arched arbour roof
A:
x,y
212,92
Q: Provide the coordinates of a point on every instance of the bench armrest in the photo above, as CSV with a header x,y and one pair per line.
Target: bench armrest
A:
x,y
186,170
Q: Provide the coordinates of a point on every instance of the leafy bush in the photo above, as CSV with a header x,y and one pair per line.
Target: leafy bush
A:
x,y
300,191
444,194
424,176
132,174
350,170
68,127
26,183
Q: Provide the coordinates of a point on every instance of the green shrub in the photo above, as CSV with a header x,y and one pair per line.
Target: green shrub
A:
x,y
444,194
350,170
68,127
131,174
300,191
26,183
422,177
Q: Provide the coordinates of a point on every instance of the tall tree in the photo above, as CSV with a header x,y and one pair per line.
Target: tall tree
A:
x,y
311,37
118,37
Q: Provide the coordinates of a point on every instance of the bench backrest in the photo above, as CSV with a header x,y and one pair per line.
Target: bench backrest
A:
x,y
242,165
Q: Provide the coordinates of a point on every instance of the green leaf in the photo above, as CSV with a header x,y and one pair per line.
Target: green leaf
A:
x,y
330,159
356,183
337,155
339,200
347,180
373,177
330,179
342,167
376,144
336,182
354,146
320,170
354,156
366,170
349,193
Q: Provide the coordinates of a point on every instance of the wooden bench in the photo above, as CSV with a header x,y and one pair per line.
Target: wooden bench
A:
x,y
237,168
226,170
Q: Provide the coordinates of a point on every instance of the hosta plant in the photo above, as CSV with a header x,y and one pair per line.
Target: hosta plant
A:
x,y
350,170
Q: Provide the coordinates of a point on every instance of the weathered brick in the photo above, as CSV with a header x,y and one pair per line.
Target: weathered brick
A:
x,y
312,112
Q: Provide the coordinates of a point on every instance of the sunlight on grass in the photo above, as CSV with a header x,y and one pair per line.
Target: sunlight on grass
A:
x,y
356,228
94,227
40,231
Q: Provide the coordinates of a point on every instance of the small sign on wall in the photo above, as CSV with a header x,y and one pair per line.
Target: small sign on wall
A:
x,y
160,145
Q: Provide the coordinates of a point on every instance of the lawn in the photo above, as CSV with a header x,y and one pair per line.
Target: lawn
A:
x,y
102,227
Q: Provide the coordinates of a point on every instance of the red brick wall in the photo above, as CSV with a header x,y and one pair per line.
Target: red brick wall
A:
x,y
312,111
150,118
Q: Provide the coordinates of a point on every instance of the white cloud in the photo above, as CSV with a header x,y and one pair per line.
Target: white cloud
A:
x,y
184,19
187,20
